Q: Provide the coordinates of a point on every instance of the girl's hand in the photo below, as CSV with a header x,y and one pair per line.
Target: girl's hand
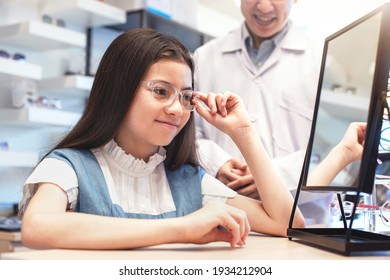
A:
x,y
225,111
216,222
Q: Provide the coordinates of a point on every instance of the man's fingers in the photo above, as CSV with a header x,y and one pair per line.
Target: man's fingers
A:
x,y
241,182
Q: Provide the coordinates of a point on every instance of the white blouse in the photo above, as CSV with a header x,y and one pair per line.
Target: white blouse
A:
x,y
137,186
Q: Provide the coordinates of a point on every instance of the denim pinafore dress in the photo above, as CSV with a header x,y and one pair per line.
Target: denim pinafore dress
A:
x,y
94,198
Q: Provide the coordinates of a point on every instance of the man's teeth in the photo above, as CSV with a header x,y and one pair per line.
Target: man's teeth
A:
x,y
262,18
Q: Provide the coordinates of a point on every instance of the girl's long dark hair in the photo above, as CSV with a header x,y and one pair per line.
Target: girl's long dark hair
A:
x,y
121,70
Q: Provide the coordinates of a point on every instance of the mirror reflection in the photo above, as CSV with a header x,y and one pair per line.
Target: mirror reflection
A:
x,y
345,92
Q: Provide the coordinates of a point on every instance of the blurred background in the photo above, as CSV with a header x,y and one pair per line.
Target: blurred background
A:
x,y
51,48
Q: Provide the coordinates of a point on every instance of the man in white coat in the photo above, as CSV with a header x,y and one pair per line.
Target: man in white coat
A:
x,y
275,70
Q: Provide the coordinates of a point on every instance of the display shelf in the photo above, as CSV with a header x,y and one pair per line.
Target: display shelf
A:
x,y
38,116
41,36
9,67
128,5
72,85
18,159
350,107
86,13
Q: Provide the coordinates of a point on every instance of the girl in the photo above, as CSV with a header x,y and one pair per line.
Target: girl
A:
x,y
127,175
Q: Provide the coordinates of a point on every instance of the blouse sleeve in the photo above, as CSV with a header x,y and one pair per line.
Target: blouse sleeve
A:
x,y
214,190
54,171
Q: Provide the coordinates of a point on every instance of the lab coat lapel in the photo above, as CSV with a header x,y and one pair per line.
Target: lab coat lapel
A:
x,y
292,42
247,62
272,60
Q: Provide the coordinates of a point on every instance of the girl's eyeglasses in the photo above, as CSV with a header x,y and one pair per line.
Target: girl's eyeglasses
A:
x,y
167,94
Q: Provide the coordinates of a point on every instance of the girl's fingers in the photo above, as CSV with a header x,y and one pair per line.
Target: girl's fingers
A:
x,y
226,222
233,227
216,102
202,110
241,222
221,104
211,103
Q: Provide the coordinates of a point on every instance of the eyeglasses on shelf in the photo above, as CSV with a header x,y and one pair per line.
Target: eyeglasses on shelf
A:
x,y
16,56
53,21
382,211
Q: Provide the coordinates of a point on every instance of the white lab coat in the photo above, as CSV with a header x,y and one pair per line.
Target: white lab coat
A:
x,y
280,98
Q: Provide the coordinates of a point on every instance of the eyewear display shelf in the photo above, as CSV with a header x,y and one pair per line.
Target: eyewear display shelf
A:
x,y
344,240
98,38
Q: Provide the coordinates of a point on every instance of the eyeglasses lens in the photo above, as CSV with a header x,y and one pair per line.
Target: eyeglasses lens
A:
x,y
47,19
167,93
53,21
19,57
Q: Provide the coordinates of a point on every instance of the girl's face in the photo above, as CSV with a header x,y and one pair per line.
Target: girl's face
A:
x,y
149,122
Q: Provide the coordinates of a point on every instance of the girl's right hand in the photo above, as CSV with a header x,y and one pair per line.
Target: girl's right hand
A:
x,y
216,222
225,111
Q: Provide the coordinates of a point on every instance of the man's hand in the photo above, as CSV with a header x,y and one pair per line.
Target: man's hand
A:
x,y
237,176
232,170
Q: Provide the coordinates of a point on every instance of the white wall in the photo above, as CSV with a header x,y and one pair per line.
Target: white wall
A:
x,y
214,22
321,18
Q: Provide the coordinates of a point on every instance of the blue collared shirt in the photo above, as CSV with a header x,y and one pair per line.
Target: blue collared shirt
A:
x,y
260,55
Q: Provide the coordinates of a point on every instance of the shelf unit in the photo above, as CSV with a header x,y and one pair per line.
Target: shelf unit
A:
x,y
10,68
72,85
86,13
41,36
190,37
18,159
21,2
35,116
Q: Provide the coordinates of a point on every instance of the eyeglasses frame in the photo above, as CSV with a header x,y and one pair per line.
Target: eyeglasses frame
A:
x,y
151,85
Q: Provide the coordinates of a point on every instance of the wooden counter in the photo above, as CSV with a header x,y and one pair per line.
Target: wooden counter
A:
x,y
258,247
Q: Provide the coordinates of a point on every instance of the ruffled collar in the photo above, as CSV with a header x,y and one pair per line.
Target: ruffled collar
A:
x,y
128,163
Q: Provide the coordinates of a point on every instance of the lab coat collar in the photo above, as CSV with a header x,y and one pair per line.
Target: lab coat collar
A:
x,y
233,41
294,40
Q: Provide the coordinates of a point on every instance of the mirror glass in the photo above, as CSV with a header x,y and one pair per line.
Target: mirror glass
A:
x,y
345,90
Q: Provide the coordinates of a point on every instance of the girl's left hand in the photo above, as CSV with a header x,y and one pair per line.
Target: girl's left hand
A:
x,y
225,111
